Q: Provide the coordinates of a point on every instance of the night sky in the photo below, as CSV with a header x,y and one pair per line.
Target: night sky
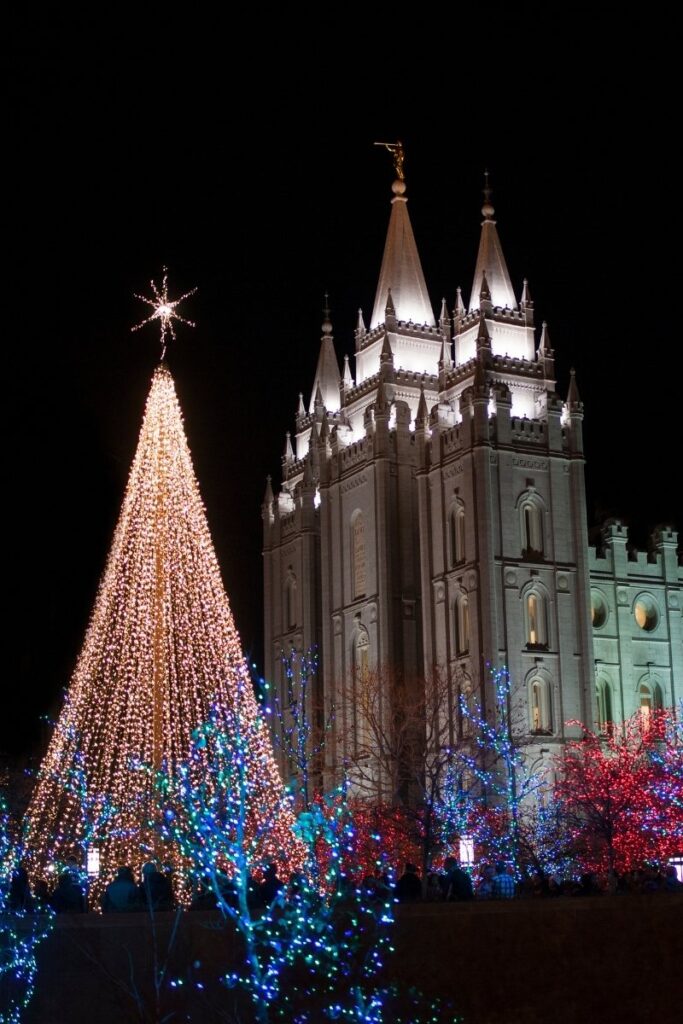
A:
x,y
246,165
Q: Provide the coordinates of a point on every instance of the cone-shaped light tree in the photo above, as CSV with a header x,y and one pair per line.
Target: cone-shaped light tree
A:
x,y
161,656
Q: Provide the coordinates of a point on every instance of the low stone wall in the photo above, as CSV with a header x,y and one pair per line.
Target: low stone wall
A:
x,y
563,961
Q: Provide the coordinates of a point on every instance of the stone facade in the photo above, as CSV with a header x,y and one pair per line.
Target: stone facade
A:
x,y
432,519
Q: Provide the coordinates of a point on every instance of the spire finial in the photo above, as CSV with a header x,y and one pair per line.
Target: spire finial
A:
x,y
487,209
327,323
398,153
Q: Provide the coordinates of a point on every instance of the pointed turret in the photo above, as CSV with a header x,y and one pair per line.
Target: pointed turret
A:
x,y
445,361
483,338
459,304
490,261
347,379
526,299
544,346
386,355
401,269
484,292
301,410
422,417
390,308
327,371
288,455
573,398
268,496
360,327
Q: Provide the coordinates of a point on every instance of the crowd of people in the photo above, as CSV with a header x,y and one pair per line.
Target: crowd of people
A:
x,y
497,881
154,890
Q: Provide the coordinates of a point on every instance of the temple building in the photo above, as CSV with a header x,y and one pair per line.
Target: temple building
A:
x,y
431,519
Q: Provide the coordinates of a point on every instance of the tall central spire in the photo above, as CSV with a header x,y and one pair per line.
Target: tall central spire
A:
x,y
401,268
491,264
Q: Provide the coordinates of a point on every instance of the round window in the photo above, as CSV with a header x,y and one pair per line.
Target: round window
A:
x,y
598,610
645,612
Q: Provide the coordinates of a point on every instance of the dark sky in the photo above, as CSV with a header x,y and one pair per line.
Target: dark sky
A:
x,y
245,163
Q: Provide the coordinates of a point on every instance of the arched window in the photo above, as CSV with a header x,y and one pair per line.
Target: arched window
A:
x,y
604,698
358,567
290,600
466,709
540,710
362,703
462,624
646,613
650,694
536,619
531,510
456,534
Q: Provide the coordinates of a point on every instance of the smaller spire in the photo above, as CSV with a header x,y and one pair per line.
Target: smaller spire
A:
x,y
324,430
289,451
445,356
459,304
444,320
301,411
389,309
526,299
361,330
573,397
268,496
544,345
386,355
483,340
318,400
484,291
422,411
347,379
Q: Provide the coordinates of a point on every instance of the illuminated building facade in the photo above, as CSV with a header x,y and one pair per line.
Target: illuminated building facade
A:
x,y
432,517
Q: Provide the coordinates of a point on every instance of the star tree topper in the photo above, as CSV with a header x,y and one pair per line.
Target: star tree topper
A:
x,y
164,310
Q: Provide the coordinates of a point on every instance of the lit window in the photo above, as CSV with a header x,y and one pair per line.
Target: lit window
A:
x,y
604,697
536,620
456,529
645,613
358,554
361,701
462,625
290,599
598,610
539,706
532,529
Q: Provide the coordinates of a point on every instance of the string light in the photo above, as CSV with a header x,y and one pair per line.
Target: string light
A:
x,y
164,310
622,793
161,656
20,931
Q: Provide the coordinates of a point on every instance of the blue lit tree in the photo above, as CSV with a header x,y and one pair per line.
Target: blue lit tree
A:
x,y
498,793
314,953
20,931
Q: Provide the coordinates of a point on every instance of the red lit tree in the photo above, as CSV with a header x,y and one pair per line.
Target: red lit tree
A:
x,y
621,793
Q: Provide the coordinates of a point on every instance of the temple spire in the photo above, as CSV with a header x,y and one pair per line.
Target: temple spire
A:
x,y
327,371
490,260
401,268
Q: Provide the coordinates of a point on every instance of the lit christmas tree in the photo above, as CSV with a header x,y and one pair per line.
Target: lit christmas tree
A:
x,y
161,656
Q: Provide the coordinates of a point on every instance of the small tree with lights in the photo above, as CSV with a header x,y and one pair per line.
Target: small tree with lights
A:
x,y
21,929
498,792
621,792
